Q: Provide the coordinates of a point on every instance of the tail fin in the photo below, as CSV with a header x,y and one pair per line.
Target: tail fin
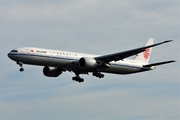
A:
x,y
145,56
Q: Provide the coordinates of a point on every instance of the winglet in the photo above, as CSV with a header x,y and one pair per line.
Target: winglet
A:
x,y
168,41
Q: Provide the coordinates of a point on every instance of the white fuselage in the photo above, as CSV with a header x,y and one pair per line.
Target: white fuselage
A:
x,y
66,60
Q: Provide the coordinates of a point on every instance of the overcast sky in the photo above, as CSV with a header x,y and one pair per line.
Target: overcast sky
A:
x,y
97,27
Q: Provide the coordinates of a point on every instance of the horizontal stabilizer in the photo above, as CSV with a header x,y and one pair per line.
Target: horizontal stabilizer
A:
x,y
159,63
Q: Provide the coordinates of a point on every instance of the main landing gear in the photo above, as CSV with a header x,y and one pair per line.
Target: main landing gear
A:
x,y
98,74
21,65
77,78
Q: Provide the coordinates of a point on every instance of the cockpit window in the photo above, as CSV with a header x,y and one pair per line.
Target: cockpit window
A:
x,y
14,51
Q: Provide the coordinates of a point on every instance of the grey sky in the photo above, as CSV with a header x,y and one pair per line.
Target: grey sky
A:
x,y
90,26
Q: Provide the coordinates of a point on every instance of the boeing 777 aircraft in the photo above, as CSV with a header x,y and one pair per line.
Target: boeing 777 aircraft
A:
x,y
55,61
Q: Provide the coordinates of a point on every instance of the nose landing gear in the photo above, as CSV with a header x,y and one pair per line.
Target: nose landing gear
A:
x,y
21,66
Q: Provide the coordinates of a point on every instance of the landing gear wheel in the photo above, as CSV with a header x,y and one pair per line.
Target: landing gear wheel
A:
x,y
81,80
101,76
21,69
94,74
74,78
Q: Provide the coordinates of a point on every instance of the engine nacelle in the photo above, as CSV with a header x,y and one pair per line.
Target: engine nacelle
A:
x,y
87,63
51,71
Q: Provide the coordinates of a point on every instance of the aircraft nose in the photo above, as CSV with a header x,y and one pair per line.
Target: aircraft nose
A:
x,y
9,55
12,54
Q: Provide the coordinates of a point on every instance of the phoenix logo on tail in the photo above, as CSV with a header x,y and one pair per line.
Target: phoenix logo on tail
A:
x,y
146,53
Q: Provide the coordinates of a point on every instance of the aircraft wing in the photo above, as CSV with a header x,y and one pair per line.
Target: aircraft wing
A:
x,y
121,55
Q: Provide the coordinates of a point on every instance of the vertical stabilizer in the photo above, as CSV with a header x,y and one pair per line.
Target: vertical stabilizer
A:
x,y
145,56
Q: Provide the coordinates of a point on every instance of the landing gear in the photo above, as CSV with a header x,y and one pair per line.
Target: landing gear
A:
x,y
77,78
21,65
98,74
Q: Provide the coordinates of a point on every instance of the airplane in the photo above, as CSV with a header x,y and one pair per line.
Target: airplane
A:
x,y
56,62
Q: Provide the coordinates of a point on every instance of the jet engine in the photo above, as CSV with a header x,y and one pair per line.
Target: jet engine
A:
x,y
51,71
87,63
